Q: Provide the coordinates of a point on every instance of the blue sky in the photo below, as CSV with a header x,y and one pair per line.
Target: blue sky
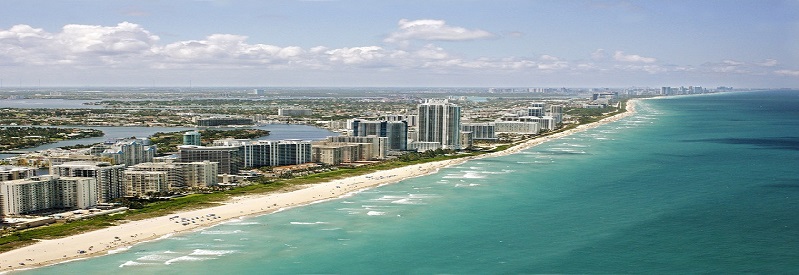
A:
x,y
500,43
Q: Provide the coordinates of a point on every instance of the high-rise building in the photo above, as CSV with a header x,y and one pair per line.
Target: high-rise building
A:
x,y
125,151
108,176
535,109
8,172
229,157
480,131
192,138
139,183
517,127
275,152
378,145
395,131
556,112
199,174
46,192
178,174
440,121
544,123
173,172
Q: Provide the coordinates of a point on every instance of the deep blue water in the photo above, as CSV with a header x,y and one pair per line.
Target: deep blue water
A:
x,y
695,184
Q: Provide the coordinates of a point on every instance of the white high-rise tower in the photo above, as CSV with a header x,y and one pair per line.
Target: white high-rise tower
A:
x,y
440,121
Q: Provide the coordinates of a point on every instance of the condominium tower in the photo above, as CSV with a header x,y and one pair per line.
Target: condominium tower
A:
x,y
440,121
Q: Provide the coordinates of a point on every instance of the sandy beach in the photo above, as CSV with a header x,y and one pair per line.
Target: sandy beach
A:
x,y
109,240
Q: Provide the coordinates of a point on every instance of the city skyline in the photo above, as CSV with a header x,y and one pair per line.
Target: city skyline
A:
x,y
747,44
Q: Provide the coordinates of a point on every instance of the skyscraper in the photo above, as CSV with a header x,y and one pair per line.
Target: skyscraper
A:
x,y
440,121
395,131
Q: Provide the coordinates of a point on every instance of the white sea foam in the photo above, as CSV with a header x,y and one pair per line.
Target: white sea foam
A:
x,y
121,249
208,252
408,201
167,236
154,258
187,259
308,223
375,213
473,175
331,229
133,263
245,223
220,232
386,198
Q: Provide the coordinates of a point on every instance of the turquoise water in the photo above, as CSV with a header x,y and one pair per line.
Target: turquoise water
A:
x,y
699,184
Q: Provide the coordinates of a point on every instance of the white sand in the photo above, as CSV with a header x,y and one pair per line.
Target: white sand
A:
x,y
101,242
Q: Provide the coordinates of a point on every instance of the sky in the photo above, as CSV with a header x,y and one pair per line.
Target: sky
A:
x,y
399,43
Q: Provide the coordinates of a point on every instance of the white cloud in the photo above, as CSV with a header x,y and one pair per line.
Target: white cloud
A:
x,y
357,55
433,30
599,54
128,45
91,41
80,45
768,63
732,62
787,72
620,56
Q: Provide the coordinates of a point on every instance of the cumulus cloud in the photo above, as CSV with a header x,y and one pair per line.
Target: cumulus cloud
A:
x,y
128,45
357,55
433,30
620,56
76,44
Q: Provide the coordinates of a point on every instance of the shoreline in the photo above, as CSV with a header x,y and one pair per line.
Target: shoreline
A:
x,y
122,237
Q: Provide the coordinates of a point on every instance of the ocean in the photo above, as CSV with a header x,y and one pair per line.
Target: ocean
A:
x,y
691,184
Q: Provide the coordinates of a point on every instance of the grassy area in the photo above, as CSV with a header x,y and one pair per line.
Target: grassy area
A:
x,y
161,208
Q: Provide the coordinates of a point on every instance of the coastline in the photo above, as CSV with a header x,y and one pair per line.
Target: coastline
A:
x,y
121,237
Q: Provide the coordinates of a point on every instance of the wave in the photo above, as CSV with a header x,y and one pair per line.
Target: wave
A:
x,y
244,223
220,232
187,259
467,185
309,223
375,213
121,249
154,258
208,252
408,201
134,263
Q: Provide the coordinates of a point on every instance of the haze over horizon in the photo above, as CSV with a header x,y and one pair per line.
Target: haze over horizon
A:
x,y
342,43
